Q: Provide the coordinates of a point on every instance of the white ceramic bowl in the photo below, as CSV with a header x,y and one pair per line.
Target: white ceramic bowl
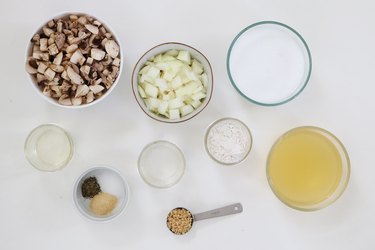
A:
x,y
163,48
33,78
110,181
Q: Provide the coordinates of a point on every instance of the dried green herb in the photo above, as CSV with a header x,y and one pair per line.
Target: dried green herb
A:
x,y
90,187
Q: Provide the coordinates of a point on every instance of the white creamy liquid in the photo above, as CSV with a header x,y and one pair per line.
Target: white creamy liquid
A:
x,y
53,148
268,63
161,164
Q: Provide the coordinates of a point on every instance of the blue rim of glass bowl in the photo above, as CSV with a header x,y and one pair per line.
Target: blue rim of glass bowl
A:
x,y
284,26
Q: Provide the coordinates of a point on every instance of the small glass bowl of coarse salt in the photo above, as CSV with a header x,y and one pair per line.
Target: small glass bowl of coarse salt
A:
x,y
228,141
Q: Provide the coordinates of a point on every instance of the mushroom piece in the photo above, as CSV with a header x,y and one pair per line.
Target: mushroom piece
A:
x,y
44,57
65,100
82,90
97,54
58,59
76,101
57,68
107,61
59,26
36,39
60,40
74,77
42,67
93,29
96,82
96,88
98,66
77,57
43,44
112,48
65,76
47,91
65,86
116,62
40,78
97,23
51,23
89,60
49,74
71,48
90,97
56,92
85,69
31,66
95,41
53,50
114,72
82,20
47,31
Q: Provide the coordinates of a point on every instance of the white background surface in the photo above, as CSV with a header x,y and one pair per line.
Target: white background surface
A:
x,y
36,210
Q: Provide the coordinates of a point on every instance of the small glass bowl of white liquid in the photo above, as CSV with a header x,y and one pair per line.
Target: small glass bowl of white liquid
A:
x,y
269,63
161,164
49,148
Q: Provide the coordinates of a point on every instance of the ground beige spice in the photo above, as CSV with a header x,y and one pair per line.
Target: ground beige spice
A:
x,y
180,220
103,203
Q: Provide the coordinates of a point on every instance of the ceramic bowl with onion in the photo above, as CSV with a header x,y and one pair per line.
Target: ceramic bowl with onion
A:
x,y
172,82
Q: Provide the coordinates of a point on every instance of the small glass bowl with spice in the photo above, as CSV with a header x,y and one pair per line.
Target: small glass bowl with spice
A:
x,y
101,193
228,141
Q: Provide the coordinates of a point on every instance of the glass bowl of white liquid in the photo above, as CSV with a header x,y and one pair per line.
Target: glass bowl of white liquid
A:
x,y
269,63
161,164
49,148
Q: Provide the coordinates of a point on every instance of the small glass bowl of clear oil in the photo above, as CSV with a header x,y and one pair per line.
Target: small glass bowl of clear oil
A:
x,y
308,168
49,147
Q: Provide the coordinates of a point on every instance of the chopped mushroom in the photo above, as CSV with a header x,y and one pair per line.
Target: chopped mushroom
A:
x,y
89,97
65,100
60,40
74,59
31,66
96,88
53,50
73,76
58,59
82,90
43,44
49,74
93,29
77,57
97,54
112,48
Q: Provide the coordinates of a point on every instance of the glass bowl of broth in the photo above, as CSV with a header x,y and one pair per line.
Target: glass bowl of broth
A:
x,y
308,168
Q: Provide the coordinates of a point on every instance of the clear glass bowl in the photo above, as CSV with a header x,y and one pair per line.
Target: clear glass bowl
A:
x,y
161,164
163,48
269,63
49,147
228,141
317,170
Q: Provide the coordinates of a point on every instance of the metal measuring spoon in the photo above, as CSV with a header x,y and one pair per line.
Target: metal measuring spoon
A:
x,y
180,220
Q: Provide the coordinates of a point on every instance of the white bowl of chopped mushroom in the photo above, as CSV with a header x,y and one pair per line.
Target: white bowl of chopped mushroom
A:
x,y
74,60
172,82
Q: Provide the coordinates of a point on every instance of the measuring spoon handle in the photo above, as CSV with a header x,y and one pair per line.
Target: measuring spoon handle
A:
x,y
227,210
